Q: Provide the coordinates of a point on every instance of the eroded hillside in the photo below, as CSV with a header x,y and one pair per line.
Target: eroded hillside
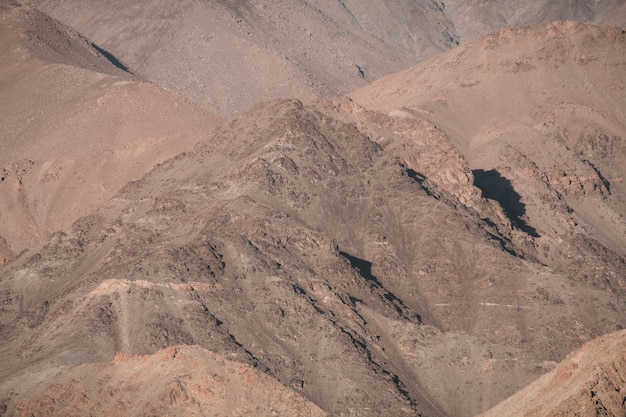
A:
x,y
342,263
74,127
230,55
429,246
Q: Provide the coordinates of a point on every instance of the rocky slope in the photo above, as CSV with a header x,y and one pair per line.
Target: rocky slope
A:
x,y
588,382
430,251
75,127
474,18
539,115
296,240
230,55
177,381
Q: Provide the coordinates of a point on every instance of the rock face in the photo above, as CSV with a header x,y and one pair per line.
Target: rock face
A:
x,y
588,382
300,241
230,55
429,246
511,140
177,381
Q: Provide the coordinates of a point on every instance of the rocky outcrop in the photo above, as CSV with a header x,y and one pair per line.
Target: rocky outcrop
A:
x,y
182,381
303,240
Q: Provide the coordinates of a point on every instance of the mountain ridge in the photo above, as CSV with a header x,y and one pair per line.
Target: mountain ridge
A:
x,y
247,211
72,123
429,245
589,381
228,56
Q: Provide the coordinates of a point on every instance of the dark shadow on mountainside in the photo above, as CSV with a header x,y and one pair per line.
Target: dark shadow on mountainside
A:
x,y
496,187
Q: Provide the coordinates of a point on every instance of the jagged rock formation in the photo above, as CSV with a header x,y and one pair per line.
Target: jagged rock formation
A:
x,y
429,246
511,141
182,381
294,240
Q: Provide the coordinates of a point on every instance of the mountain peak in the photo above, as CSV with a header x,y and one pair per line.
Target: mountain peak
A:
x,y
28,32
429,245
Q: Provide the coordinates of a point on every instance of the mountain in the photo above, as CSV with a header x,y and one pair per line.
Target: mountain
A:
x,y
76,127
588,382
475,18
539,115
229,55
183,381
348,266
430,245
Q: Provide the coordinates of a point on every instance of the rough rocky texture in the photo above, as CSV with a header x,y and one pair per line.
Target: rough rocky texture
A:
x,y
429,252
177,381
230,55
589,382
294,241
537,148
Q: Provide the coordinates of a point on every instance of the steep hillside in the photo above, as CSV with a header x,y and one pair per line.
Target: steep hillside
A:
x,y
74,127
429,246
230,55
178,381
472,18
362,271
539,115
588,382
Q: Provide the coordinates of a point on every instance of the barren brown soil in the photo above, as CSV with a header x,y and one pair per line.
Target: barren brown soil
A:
x,y
75,128
474,18
589,382
293,240
177,381
429,246
539,115
230,55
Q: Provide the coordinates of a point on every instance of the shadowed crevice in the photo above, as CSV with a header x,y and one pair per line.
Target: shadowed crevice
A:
x,y
421,180
364,269
496,187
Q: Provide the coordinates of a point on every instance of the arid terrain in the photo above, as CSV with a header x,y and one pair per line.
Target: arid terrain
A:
x,y
75,128
229,55
312,208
